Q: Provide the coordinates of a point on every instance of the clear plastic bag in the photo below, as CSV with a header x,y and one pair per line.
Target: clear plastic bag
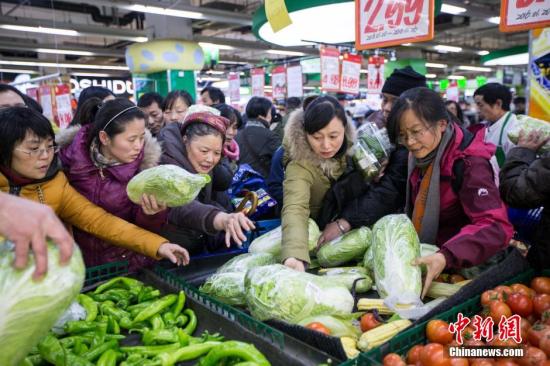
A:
x,y
528,124
371,150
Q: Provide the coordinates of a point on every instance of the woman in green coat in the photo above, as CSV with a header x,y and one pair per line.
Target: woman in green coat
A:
x,y
316,144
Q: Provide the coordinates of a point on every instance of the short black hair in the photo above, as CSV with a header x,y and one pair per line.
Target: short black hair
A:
x,y
94,91
215,94
173,96
258,106
492,92
293,103
15,122
519,100
309,99
149,98
227,111
320,112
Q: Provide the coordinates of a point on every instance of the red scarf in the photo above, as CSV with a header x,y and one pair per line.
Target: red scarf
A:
x,y
14,178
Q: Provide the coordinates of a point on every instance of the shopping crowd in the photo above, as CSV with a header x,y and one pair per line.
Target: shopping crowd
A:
x,y
453,175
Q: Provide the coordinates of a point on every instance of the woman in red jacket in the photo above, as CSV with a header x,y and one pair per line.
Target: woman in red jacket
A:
x,y
452,198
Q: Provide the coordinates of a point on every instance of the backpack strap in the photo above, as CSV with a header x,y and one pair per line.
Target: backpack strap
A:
x,y
458,166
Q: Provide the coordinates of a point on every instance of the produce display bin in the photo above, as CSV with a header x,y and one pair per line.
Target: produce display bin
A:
x,y
104,272
404,341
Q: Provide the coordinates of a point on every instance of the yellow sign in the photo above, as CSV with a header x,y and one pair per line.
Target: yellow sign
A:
x,y
277,14
539,74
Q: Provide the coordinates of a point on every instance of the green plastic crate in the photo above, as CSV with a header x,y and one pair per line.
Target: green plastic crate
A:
x,y
404,341
105,272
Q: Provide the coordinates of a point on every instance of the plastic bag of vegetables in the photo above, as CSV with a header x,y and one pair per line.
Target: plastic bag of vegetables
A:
x,y
227,287
348,276
170,184
352,245
278,292
371,150
244,262
29,309
271,242
528,124
396,246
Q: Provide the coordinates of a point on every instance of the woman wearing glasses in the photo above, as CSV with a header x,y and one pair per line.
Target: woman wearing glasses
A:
x,y
452,198
29,168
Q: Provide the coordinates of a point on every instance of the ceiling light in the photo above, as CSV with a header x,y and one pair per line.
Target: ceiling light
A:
x,y
407,44
309,87
233,62
451,9
55,64
224,84
207,78
363,71
64,52
91,74
431,76
165,11
494,20
215,72
475,68
140,39
285,53
519,59
213,45
19,71
444,48
436,66
456,77
39,29
483,53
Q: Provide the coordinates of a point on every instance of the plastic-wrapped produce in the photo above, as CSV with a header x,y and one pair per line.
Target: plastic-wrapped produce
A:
x,y
371,150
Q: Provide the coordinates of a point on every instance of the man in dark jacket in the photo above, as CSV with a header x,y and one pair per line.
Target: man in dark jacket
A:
x,y
524,184
256,141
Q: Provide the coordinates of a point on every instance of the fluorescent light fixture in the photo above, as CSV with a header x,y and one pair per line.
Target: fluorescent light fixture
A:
x,y
285,53
456,77
40,29
451,9
232,62
310,87
436,66
518,59
224,84
19,71
364,71
64,52
140,39
213,45
444,48
430,76
165,11
208,78
91,74
215,72
494,20
71,66
483,53
475,68
407,44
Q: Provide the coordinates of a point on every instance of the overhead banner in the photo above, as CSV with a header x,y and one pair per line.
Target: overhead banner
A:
x,y
295,86
234,87
258,82
351,73
520,15
46,101
380,23
330,69
278,82
375,77
539,74
63,109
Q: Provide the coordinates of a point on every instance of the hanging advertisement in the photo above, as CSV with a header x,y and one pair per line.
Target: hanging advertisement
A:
x,y
258,82
453,93
351,73
380,23
63,109
294,81
234,87
539,74
330,69
46,101
375,77
278,82
520,15
33,93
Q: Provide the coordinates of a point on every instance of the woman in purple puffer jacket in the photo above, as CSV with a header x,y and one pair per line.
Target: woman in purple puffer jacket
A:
x,y
99,160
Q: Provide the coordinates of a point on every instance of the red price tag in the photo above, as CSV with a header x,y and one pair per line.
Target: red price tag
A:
x,y
520,15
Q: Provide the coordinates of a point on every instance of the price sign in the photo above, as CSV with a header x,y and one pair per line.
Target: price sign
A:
x,y
234,87
330,69
278,81
519,15
375,78
46,101
351,73
294,81
63,109
382,23
258,82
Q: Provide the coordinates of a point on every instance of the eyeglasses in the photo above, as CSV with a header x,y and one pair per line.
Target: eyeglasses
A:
x,y
403,139
35,153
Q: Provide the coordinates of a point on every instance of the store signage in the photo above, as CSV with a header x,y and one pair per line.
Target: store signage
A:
x,y
330,69
351,73
46,100
382,23
453,93
294,81
375,78
539,79
311,66
119,87
258,82
278,82
520,15
277,14
234,87
63,108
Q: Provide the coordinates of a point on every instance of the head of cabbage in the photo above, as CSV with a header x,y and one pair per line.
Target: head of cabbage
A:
x,y
228,287
170,184
29,309
246,261
350,246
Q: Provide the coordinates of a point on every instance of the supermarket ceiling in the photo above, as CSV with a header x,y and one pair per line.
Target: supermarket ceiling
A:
x,y
35,33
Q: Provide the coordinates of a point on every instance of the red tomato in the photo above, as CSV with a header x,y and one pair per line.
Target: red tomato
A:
x,y
459,362
319,327
393,359
532,357
520,304
541,285
504,291
498,309
369,321
483,362
506,363
544,344
437,331
525,326
434,354
522,289
545,318
489,296
536,332
413,356
541,303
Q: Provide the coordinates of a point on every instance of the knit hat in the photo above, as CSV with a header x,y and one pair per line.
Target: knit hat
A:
x,y
216,121
402,80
